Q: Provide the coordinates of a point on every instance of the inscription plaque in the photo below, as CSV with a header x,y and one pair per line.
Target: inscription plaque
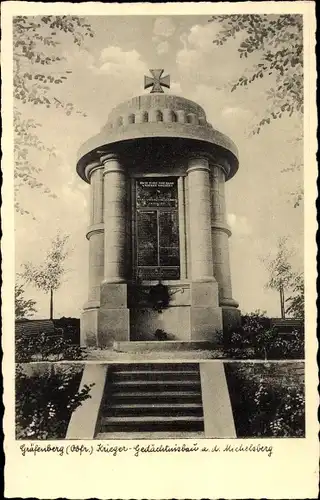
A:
x,y
157,229
156,193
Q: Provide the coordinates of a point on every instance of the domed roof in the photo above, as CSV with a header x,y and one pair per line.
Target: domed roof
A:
x,y
157,115
153,103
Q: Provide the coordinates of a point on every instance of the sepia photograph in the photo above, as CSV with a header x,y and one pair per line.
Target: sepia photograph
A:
x,y
159,228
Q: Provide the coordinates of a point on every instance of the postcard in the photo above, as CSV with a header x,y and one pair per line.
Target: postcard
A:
x,y
159,277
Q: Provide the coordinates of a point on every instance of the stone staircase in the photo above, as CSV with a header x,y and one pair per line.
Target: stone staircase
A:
x,y
152,399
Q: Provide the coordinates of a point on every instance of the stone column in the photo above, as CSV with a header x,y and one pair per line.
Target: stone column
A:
x,y
205,314
182,229
96,181
95,235
220,234
89,317
200,219
187,227
115,201
220,248
113,322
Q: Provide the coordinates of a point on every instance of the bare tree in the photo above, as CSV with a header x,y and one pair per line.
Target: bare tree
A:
x,y
280,272
48,276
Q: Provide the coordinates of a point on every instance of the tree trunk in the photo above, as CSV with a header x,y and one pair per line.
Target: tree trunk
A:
x,y
283,315
51,303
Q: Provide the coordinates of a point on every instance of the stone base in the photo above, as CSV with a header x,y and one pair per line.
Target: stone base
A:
x,y
206,323
113,317
205,313
113,324
231,318
199,317
175,321
89,327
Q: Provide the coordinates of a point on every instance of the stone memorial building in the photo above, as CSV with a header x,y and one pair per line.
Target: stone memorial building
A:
x,y
159,273
158,235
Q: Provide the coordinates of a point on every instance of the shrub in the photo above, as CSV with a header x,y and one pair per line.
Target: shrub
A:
x,y
44,348
264,403
291,347
70,328
24,308
45,401
257,339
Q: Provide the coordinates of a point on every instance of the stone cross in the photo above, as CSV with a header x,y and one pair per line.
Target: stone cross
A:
x,y
157,82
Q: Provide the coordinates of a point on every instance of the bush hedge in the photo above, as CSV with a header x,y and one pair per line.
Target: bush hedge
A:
x,y
45,347
256,339
45,400
266,402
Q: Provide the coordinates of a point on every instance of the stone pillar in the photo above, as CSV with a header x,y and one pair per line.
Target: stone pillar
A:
x,y
200,219
115,211
113,321
89,317
95,234
187,226
220,249
182,229
205,314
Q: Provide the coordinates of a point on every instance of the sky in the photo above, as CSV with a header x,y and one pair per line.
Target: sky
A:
x,y
109,69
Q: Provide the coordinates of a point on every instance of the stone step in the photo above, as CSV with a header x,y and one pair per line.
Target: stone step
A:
x,y
164,383
154,385
151,423
154,367
157,405
145,375
160,409
149,435
151,397
149,419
